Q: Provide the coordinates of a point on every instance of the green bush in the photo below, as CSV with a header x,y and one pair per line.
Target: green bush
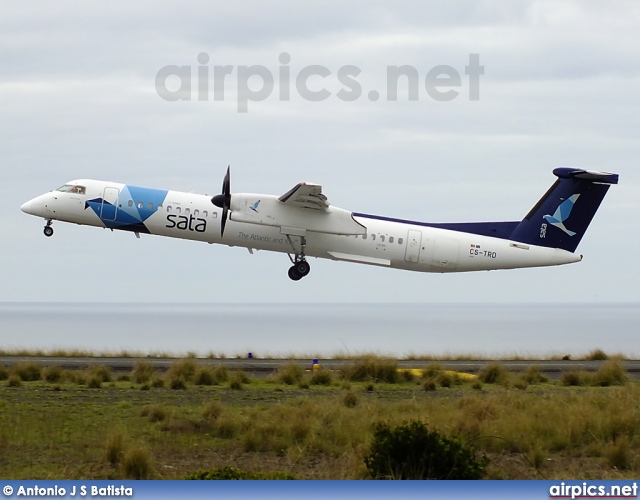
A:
x,y
574,378
611,373
493,373
102,373
185,368
204,376
597,355
14,381
142,372
95,382
371,369
321,377
52,374
412,451
290,374
28,372
177,383
115,447
231,473
532,375
4,373
157,382
136,463
350,399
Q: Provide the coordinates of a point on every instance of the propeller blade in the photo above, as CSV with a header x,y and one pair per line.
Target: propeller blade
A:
x,y
223,200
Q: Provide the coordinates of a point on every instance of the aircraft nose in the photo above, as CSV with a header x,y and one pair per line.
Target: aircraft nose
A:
x,y
26,208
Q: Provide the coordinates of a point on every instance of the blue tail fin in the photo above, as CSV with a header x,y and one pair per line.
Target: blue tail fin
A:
x,y
561,217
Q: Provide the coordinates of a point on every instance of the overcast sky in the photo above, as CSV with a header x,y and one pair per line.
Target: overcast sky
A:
x,y
78,99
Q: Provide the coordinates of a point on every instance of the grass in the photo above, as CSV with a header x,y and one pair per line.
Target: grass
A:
x,y
57,426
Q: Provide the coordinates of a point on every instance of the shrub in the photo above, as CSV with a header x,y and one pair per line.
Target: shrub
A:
x,y
177,383
350,399
28,372
115,447
142,372
290,373
431,371
221,374
185,368
429,385
618,454
371,369
321,377
204,376
238,379
95,382
611,373
52,374
532,375
157,382
102,373
14,381
597,355
136,463
4,373
212,410
412,451
493,373
231,473
574,378
154,412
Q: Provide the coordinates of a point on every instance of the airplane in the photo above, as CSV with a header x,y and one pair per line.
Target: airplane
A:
x,y
302,224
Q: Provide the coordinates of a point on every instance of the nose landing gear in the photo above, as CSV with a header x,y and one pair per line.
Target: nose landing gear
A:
x,y
48,230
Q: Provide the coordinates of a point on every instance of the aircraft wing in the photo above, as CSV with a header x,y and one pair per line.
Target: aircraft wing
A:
x,y
305,195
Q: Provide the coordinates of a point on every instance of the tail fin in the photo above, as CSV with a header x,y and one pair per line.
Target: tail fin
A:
x,y
561,217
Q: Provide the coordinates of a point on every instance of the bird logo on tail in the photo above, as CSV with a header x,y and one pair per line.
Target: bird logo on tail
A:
x,y
562,214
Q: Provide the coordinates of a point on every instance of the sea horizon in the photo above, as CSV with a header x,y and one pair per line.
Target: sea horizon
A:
x,y
538,330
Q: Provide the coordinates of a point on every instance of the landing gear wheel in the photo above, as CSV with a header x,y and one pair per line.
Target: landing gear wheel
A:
x,y
48,231
302,268
293,274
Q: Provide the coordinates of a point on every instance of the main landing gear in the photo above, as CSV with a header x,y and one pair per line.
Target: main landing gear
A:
x,y
48,230
300,267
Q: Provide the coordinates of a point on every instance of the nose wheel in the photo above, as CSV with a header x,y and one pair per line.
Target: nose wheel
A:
x,y
48,230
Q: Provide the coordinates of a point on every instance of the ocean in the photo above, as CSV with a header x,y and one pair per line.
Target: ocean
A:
x,y
324,330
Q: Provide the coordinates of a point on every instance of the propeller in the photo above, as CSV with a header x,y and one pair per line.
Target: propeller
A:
x,y
223,200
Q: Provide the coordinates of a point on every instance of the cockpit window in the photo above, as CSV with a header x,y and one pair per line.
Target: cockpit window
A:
x,y
72,188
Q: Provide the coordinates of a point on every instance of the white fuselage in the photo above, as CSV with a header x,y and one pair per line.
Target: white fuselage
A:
x,y
401,245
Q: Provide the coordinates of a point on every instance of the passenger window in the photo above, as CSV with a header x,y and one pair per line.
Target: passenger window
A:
x,y
130,203
205,213
196,212
160,206
187,211
373,237
364,236
214,215
140,205
178,210
390,239
382,237
399,241
150,206
169,208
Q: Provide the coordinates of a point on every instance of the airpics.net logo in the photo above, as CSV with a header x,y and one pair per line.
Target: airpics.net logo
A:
x,y
311,83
